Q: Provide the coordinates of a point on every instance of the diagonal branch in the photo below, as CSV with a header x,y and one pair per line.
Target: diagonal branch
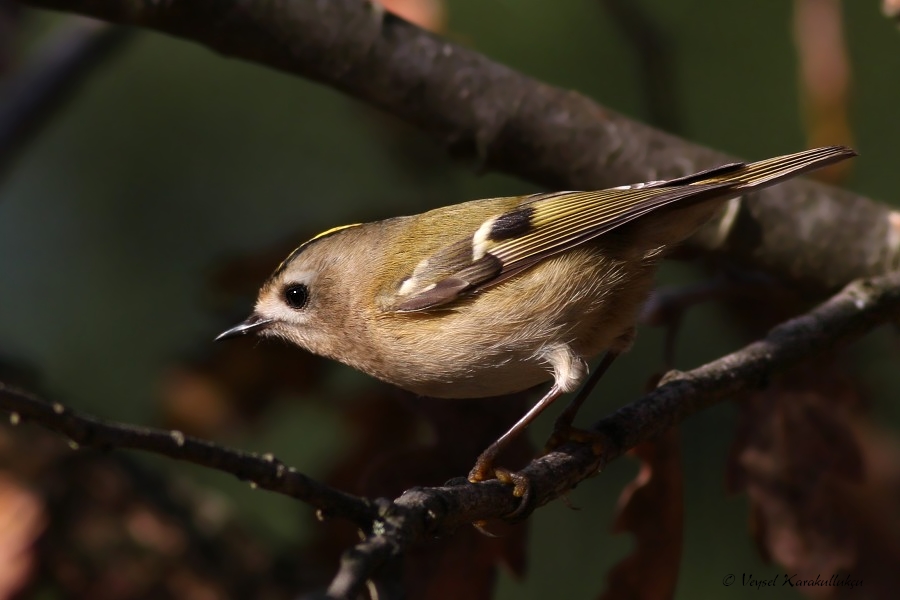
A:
x,y
811,234
857,309
424,512
264,471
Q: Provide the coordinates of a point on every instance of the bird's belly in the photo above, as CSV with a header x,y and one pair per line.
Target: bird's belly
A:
x,y
497,343
482,382
514,359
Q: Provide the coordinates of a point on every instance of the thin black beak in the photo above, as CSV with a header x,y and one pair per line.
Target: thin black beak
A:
x,y
251,324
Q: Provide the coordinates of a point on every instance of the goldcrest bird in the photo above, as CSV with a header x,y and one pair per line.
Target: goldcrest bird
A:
x,y
495,296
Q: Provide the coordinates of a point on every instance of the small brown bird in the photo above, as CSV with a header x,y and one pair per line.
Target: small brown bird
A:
x,y
495,296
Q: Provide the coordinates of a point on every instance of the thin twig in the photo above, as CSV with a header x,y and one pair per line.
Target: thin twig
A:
x,y
666,306
264,471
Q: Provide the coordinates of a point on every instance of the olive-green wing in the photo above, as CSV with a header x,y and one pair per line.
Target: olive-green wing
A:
x,y
544,225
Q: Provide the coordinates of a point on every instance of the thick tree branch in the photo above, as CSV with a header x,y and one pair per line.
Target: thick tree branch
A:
x,y
424,512
264,471
801,231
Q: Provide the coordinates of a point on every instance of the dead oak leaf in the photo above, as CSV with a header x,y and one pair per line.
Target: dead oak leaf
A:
x,y
652,508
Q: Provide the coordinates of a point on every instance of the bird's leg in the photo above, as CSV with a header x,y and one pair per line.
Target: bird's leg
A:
x,y
567,417
484,464
568,370
563,431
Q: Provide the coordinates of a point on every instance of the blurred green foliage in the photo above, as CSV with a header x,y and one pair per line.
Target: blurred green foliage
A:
x,y
173,159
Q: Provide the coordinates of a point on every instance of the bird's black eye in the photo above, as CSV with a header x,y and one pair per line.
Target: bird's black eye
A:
x,y
296,295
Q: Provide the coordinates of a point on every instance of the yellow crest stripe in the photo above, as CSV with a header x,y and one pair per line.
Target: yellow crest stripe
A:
x,y
330,231
302,246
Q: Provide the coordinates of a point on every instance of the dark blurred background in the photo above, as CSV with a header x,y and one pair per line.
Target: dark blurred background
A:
x,y
138,223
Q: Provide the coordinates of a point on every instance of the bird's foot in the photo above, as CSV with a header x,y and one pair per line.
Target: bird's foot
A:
x,y
484,470
564,433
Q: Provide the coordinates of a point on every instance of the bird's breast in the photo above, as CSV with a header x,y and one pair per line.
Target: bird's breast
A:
x,y
495,342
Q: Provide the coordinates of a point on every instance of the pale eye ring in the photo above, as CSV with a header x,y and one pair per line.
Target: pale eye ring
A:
x,y
296,295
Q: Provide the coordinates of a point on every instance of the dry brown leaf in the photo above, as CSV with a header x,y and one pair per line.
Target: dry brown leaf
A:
x,y
891,9
651,508
824,71
234,384
427,14
22,518
816,482
113,530
872,514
